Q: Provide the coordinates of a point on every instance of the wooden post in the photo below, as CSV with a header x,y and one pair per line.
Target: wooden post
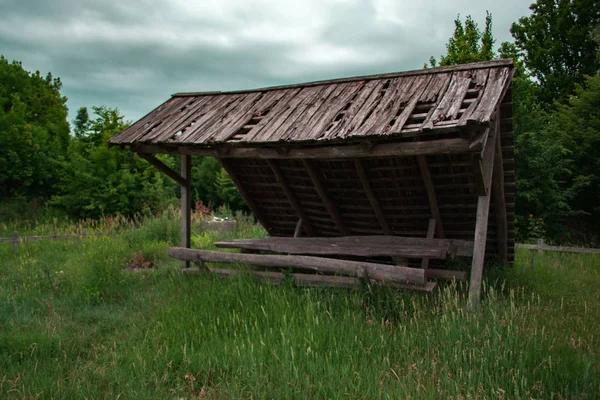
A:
x,y
298,228
15,242
540,247
430,235
481,225
186,205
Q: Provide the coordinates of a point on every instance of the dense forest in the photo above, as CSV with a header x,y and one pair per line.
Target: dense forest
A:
x,y
50,167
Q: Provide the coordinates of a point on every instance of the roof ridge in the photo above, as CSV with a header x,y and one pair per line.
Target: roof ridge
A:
x,y
505,62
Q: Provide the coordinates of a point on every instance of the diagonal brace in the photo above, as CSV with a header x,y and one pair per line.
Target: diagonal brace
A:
x,y
164,168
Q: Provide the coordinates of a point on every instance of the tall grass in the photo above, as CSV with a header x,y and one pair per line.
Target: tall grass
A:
x,y
75,324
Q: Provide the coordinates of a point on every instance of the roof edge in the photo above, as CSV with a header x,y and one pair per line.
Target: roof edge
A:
x,y
505,62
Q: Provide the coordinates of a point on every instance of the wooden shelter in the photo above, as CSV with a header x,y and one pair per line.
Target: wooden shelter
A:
x,y
385,172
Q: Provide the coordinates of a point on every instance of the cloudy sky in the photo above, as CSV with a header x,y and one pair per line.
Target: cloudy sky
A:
x,y
133,54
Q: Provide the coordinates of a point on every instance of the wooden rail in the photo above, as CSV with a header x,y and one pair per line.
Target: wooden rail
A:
x,y
16,240
541,247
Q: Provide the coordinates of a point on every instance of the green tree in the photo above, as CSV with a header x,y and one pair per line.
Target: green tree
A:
x,y
204,178
227,191
81,124
34,132
105,181
468,44
575,126
558,45
539,162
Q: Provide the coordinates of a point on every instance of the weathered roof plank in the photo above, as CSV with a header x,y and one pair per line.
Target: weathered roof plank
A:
x,y
452,99
273,115
370,93
297,126
412,97
374,106
380,118
167,131
480,77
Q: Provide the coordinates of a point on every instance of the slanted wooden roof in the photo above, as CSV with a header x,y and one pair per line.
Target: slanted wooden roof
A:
x,y
376,106
372,155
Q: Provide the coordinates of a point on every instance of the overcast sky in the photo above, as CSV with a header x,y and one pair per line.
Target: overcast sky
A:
x,y
133,54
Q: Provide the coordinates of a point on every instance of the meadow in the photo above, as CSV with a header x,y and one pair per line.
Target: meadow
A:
x,y
76,323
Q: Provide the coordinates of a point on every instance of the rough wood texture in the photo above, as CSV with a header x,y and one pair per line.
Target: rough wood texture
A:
x,y
315,177
366,270
481,225
430,234
365,246
324,110
386,121
433,203
298,228
312,280
291,197
164,168
186,204
364,180
447,275
404,149
566,249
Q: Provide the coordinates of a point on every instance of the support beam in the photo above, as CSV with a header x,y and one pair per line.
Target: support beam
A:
x,y
430,234
226,164
359,269
163,168
478,176
362,246
446,275
186,205
481,225
298,228
403,149
433,204
364,180
314,175
479,140
312,280
499,199
289,194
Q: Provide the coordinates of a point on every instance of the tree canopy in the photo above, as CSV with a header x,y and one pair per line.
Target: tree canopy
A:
x,y
558,45
34,131
468,44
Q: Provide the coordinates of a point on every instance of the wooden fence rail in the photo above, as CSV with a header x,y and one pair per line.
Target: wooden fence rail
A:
x,y
541,247
16,240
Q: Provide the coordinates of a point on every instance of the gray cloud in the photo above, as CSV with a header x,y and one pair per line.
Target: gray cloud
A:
x,y
134,54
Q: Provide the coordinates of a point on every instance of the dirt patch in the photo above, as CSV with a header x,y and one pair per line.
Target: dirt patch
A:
x,y
138,263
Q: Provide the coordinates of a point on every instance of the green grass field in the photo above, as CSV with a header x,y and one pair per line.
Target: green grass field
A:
x,y
74,324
